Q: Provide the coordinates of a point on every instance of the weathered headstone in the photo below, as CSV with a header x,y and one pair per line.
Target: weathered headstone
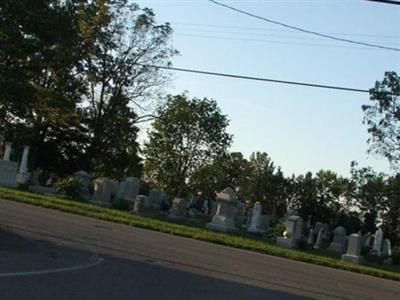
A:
x,y
224,218
292,236
84,179
353,254
255,223
128,189
139,204
157,198
7,151
23,174
387,248
318,242
8,169
378,239
339,242
104,189
240,214
310,240
178,209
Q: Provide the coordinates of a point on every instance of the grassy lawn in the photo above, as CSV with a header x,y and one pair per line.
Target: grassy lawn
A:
x,y
195,231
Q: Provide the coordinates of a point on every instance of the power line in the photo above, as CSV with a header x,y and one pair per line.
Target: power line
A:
x,y
303,30
386,1
314,85
242,28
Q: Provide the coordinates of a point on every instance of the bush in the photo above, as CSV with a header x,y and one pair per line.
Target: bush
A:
x,y
396,255
276,230
70,187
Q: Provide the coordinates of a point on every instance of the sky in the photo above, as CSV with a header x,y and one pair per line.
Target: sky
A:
x,y
302,129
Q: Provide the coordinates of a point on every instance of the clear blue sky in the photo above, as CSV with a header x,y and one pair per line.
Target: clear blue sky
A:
x,y
300,128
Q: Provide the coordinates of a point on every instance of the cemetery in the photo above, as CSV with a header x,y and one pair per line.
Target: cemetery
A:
x,y
311,241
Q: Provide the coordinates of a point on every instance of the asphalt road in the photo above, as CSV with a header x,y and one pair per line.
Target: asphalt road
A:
x,y
93,259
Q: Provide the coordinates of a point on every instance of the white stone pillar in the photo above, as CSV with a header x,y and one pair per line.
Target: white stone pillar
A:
x,y
7,152
23,167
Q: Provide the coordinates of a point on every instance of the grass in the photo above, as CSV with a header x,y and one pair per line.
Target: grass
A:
x,y
183,228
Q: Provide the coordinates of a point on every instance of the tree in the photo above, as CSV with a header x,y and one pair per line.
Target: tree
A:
x,y
263,182
119,41
391,210
186,135
39,90
383,118
367,193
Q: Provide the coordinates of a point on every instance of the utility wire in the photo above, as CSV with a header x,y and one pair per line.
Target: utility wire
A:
x,y
386,1
303,30
332,87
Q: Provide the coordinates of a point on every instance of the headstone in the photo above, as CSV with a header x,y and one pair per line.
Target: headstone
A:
x,y
104,189
292,236
387,248
378,238
84,179
128,189
22,174
178,209
139,204
8,170
310,240
318,242
366,242
339,242
265,222
353,254
240,214
157,198
255,223
7,151
224,218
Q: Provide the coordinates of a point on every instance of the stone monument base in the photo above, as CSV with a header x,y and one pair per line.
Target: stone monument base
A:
x,y
354,259
221,227
287,243
337,247
8,173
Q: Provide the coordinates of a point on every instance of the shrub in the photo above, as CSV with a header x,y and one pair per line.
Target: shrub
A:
x,y
396,255
70,187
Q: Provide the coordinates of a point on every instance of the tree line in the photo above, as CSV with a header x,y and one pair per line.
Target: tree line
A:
x,y
75,82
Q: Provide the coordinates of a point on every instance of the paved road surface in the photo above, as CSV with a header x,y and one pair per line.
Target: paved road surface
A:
x,y
93,259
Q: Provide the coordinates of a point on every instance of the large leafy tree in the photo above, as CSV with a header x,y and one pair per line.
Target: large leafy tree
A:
x,y
119,42
39,88
368,194
263,182
187,134
382,116
391,209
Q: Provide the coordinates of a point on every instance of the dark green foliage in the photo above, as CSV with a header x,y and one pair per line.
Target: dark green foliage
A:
x,y
396,255
382,117
70,187
187,135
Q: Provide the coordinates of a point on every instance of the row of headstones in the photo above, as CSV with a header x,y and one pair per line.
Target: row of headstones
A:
x,y
108,192
10,173
340,243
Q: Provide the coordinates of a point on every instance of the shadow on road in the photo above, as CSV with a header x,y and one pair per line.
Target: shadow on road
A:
x,y
114,278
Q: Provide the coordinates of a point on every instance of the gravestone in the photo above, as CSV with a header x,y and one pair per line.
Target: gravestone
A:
x,y
255,222
8,169
318,242
23,174
240,214
84,179
387,248
292,236
157,198
178,209
378,239
224,218
353,254
139,204
104,191
128,189
310,240
339,242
